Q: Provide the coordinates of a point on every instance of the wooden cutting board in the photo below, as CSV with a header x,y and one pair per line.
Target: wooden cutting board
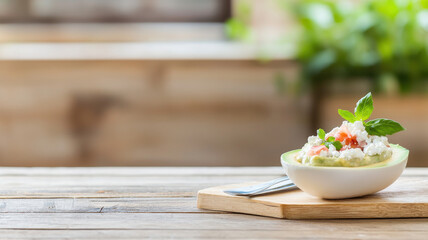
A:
x,y
408,197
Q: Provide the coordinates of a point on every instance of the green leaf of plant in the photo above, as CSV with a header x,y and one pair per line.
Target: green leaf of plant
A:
x,y
336,144
321,133
347,115
321,61
382,127
364,107
330,139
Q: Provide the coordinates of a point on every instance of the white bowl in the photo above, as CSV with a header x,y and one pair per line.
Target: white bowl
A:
x,y
345,182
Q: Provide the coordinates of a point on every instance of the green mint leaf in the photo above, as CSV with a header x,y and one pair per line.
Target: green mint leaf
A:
x,y
321,133
327,144
382,127
364,107
347,115
338,145
331,139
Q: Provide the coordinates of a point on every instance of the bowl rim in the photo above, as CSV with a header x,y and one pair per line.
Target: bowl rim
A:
x,y
367,167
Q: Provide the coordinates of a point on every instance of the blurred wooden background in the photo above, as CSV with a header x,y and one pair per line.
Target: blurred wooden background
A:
x,y
69,113
102,87
73,113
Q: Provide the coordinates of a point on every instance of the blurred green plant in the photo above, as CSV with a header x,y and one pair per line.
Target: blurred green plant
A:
x,y
382,40
238,27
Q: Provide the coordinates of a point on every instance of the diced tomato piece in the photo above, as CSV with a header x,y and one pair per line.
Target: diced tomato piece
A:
x,y
344,136
317,150
352,142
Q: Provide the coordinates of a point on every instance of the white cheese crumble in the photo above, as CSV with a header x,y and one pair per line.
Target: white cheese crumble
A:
x,y
352,154
358,130
333,151
368,145
376,145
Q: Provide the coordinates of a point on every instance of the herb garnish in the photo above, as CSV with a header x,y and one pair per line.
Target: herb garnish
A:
x,y
329,141
363,110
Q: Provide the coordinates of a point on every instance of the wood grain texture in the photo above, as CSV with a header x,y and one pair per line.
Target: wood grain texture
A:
x,y
100,205
408,197
208,234
156,112
160,203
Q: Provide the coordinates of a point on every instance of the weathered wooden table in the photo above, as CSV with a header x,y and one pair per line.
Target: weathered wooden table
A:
x,y
132,203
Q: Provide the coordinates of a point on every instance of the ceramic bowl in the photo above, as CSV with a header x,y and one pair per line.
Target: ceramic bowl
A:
x,y
345,182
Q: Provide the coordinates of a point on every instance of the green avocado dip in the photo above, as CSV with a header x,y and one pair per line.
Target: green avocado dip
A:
x,y
341,162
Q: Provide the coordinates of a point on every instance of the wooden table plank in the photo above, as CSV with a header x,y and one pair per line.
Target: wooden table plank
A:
x,y
159,203
206,234
57,181
159,171
197,221
202,234
141,171
102,186
101,205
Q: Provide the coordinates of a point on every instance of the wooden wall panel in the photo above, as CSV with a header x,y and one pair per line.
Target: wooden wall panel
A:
x,y
48,87
146,113
181,113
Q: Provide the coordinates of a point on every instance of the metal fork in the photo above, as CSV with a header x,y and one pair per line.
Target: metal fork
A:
x,y
276,185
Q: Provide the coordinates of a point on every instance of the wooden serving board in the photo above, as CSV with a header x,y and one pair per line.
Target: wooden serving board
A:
x,y
408,197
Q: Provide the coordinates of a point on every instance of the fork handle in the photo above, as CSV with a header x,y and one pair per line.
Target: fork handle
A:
x,y
255,188
277,189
